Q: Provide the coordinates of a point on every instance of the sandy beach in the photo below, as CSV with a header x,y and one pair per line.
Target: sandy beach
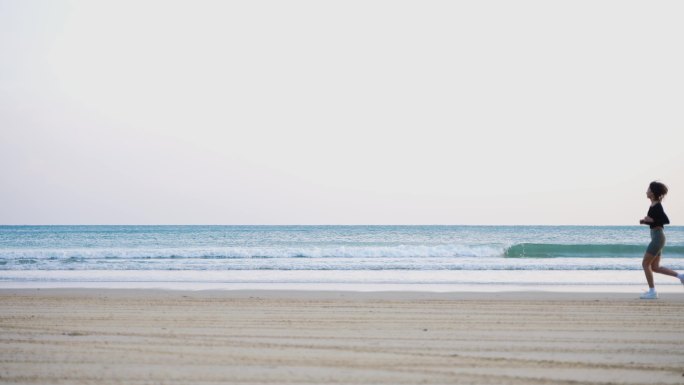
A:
x,y
108,336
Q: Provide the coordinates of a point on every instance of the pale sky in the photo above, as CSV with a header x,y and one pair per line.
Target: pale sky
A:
x,y
340,112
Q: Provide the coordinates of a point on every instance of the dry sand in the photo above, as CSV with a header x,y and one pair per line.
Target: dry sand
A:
x,y
64,336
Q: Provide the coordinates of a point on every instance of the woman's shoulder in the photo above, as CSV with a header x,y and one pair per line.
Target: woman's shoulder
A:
x,y
656,210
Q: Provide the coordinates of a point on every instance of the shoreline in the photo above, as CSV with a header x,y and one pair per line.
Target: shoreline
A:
x,y
669,289
633,290
631,281
322,294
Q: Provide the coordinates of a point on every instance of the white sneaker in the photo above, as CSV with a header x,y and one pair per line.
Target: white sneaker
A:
x,y
649,295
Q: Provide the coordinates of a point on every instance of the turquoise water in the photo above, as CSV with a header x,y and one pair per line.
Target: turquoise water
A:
x,y
327,247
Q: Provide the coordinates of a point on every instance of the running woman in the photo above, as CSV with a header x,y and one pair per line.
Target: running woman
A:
x,y
656,219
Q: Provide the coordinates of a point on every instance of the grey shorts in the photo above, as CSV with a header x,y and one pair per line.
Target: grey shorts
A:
x,y
657,242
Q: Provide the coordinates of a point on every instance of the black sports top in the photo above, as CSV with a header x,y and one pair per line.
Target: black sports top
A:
x,y
659,217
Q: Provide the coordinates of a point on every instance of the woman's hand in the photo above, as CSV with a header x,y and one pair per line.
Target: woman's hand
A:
x,y
646,220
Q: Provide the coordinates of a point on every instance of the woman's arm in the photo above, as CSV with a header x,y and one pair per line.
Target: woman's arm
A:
x,y
647,220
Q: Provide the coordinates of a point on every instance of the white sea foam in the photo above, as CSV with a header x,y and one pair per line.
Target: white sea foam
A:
x,y
415,251
434,281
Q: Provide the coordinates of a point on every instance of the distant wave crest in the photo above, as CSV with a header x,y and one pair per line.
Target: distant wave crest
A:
x,y
397,251
545,250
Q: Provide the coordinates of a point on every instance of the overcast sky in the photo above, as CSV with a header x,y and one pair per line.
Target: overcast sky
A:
x,y
339,112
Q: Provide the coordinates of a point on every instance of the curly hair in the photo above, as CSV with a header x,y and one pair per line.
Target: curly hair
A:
x,y
658,189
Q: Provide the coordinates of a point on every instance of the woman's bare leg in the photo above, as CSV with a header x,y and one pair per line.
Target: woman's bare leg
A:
x,y
655,266
648,270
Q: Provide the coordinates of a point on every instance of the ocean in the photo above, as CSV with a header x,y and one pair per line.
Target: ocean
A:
x,y
354,257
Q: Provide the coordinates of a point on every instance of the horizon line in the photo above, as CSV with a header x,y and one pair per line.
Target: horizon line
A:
x,y
339,225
